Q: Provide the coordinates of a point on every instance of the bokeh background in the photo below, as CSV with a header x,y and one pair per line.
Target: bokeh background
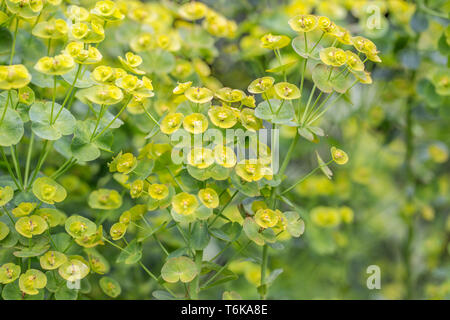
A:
x,y
395,189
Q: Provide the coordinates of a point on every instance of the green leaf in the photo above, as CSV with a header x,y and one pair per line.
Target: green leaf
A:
x,y
12,292
275,111
273,275
320,78
282,68
11,128
65,293
40,115
295,225
132,253
325,169
306,133
41,80
200,236
4,230
31,252
251,229
298,44
83,80
228,232
158,61
162,295
83,148
179,269
110,287
250,189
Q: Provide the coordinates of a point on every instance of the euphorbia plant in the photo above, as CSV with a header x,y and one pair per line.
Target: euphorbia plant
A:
x,y
201,154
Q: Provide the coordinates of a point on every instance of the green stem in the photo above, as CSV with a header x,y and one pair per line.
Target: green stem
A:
x,y
150,116
263,288
224,207
320,39
308,103
9,215
8,166
196,282
13,45
305,177
49,46
72,86
115,118
205,285
6,106
44,153
53,99
27,165
100,116
16,165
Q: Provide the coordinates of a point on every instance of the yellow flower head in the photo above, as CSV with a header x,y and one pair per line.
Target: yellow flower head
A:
x,y
332,56
118,230
200,157
209,198
230,95
353,61
195,123
49,191
6,194
184,203
249,101
171,123
328,26
132,62
103,74
24,209
14,77
58,65
271,41
365,46
104,94
25,8
224,156
261,85
325,217
223,117
303,23
77,14
26,95
346,214
339,156
136,188
344,36
53,29
192,10
249,120
266,218
142,42
182,87
158,191
91,55
32,281
123,163
287,91
199,95
31,226
107,10
76,268
52,260
250,170
9,272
